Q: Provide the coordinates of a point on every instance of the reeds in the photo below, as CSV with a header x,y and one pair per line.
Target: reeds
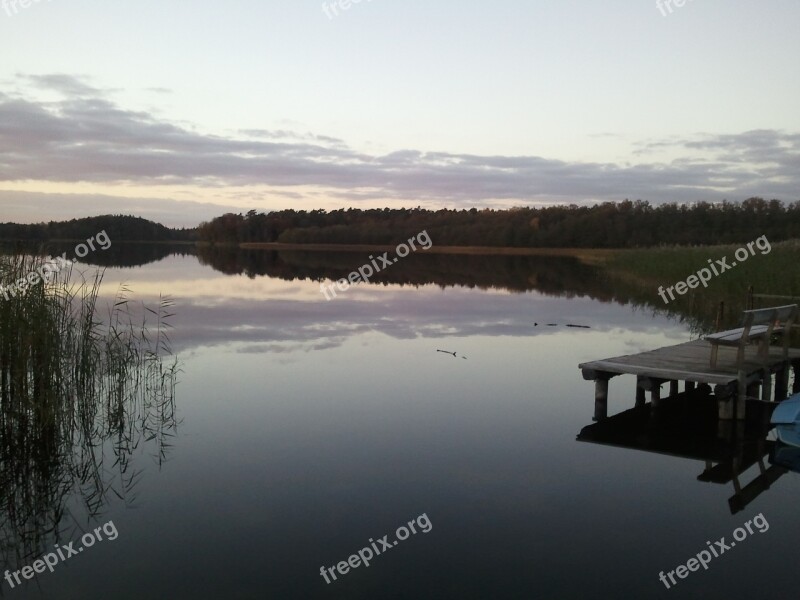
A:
x,y
78,395
640,272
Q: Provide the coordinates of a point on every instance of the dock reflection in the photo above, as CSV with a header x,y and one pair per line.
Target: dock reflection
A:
x,y
686,426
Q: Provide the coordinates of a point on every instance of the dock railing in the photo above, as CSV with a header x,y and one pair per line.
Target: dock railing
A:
x,y
750,301
751,297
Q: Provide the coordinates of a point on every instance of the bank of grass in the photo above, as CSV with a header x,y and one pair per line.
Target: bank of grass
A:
x,y
644,270
79,391
774,273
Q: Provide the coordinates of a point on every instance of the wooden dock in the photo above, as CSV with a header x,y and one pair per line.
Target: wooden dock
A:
x,y
690,363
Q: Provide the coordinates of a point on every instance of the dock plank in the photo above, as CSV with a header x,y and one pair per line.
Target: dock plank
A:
x,y
689,361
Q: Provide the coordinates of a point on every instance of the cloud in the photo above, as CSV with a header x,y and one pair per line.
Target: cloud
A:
x,y
87,137
65,84
285,134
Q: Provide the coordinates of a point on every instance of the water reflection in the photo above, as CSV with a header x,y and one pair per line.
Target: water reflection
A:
x,y
118,254
553,275
687,427
556,275
785,456
270,302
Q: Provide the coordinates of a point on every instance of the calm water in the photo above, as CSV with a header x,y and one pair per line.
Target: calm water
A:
x,y
310,426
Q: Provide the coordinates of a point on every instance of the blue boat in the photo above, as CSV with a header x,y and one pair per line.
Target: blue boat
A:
x,y
789,434
787,457
786,418
787,412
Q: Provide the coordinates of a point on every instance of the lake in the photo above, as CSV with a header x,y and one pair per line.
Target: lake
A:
x,y
310,429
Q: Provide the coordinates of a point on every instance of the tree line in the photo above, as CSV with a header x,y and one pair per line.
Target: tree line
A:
x,y
121,228
608,225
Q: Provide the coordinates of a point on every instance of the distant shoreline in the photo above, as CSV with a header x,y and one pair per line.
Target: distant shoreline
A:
x,y
592,254
73,240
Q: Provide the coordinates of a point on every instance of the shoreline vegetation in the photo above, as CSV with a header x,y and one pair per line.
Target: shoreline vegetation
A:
x,y
81,394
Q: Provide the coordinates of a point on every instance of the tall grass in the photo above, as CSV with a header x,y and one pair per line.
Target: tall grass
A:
x,y
642,271
78,394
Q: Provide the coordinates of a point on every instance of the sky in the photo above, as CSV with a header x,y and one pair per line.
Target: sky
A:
x,y
181,111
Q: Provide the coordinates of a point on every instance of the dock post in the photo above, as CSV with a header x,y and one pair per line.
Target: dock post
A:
x,y
766,385
725,402
601,396
688,386
640,395
741,397
741,406
725,408
655,394
673,388
796,384
652,385
782,383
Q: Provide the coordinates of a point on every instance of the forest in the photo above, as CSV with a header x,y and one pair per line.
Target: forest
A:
x,y
608,225
120,228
